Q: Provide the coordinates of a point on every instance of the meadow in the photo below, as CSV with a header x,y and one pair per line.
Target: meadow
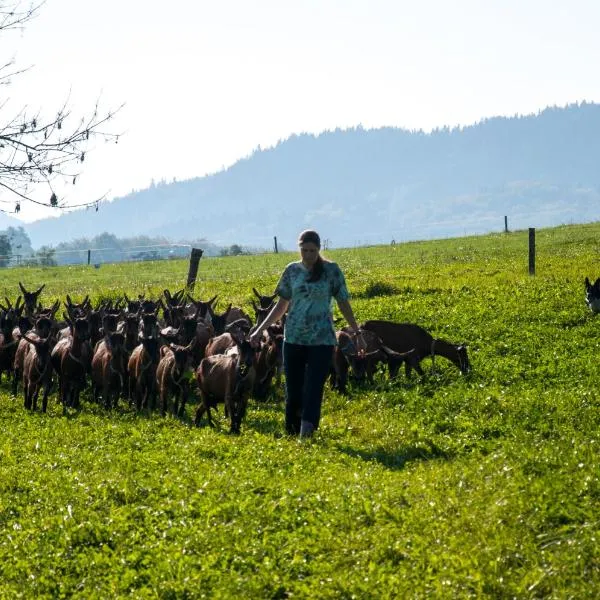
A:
x,y
446,486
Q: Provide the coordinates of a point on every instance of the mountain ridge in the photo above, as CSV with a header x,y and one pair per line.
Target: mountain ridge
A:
x,y
359,186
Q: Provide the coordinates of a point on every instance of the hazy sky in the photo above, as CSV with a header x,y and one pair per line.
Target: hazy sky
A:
x,y
206,82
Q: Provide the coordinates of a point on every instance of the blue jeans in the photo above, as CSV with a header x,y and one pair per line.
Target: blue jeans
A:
x,y
306,369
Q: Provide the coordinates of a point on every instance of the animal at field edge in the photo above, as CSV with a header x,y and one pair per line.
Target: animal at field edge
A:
x,y
592,295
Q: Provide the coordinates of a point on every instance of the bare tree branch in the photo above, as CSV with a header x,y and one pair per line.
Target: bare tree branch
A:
x,y
37,151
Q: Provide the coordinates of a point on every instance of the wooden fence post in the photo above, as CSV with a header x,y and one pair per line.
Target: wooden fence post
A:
x,y
275,244
505,224
532,250
89,256
195,257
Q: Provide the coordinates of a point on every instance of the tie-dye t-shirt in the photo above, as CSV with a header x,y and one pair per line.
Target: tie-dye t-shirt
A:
x,y
310,320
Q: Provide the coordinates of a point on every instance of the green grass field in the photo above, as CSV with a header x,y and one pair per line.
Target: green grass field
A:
x,y
449,486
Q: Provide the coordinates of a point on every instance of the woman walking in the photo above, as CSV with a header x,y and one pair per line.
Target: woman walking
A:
x,y
305,291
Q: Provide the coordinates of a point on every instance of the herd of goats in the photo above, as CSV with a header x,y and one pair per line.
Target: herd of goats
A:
x,y
153,352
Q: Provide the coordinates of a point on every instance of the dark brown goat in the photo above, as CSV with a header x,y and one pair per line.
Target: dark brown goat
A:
x,y
141,369
41,330
264,301
108,369
269,361
202,309
71,358
30,299
8,344
171,378
228,379
37,372
403,337
363,364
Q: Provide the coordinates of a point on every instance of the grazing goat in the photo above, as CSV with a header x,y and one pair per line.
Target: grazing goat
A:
x,y
403,337
228,379
171,378
37,372
592,295
108,369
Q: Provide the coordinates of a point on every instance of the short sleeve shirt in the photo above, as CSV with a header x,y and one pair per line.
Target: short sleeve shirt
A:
x,y
310,319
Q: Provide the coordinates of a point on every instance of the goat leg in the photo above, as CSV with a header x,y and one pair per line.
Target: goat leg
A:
x,y
184,395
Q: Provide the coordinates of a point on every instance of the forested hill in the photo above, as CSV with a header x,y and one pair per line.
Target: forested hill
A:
x,y
360,186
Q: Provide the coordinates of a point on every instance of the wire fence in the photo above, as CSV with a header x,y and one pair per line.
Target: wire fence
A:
x,y
97,256
265,244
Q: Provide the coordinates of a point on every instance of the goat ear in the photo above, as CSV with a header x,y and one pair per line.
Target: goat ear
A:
x,y
256,293
8,302
18,303
213,300
40,290
54,308
69,301
22,288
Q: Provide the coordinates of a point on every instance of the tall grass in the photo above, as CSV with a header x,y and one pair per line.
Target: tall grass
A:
x,y
452,486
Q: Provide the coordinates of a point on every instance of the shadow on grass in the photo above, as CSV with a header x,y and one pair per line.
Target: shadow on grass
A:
x,y
397,460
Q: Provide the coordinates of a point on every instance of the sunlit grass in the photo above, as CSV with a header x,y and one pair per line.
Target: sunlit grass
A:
x,y
478,486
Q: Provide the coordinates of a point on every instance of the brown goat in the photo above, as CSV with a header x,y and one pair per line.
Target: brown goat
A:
x,y
363,364
41,330
269,361
171,378
228,379
37,372
141,369
8,345
30,299
264,301
71,358
403,337
108,369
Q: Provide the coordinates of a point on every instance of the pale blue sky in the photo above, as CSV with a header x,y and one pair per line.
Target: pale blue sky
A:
x,y
206,82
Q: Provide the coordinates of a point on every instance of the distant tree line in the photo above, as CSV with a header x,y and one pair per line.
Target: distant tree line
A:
x,y
16,249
